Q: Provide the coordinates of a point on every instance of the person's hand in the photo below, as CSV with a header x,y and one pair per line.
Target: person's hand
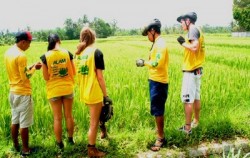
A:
x,y
107,110
140,63
181,40
38,65
107,100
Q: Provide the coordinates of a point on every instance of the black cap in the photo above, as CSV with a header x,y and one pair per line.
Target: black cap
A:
x,y
191,15
155,23
24,35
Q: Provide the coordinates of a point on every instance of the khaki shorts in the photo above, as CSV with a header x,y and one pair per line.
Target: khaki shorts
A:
x,y
191,84
21,109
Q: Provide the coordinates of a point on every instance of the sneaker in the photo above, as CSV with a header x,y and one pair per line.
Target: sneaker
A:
x,y
184,130
15,149
71,141
194,125
94,152
28,153
60,147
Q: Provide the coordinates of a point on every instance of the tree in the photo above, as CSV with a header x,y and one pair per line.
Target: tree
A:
x,y
114,27
70,29
102,29
6,38
241,14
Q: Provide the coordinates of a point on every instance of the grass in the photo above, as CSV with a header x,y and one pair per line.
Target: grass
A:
x,y
225,98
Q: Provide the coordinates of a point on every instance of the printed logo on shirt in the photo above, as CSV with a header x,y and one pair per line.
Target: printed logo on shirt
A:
x,y
59,68
83,68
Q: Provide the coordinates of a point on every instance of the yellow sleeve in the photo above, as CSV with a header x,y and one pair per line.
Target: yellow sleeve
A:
x,y
25,73
156,58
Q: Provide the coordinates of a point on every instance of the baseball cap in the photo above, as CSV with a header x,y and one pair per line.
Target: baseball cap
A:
x,y
24,35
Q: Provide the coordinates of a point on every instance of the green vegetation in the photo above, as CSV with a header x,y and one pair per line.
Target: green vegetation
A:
x,y
241,14
71,30
225,98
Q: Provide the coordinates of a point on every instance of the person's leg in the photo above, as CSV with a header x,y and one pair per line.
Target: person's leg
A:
x,y
26,120
25,139
160,126
14,135
103,130
188,95
158,97
15,119
95,111
197,107
197,102
188,115
67,106
57,113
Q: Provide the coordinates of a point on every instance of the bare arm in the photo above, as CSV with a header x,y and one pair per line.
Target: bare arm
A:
x,y
101,81
45,72
73,67
193,46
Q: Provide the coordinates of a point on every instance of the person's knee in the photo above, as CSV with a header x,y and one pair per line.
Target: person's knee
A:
x,y
58,118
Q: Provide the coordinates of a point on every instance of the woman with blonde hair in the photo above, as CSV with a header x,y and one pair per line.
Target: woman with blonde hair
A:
x,y
90,66
58,72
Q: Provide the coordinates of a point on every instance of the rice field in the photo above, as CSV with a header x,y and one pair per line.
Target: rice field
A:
x,y
225,97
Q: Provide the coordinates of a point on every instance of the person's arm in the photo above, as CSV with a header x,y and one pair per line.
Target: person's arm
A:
x,y
73,67
193,38
71,56
45,72
157,60
192,46
100,66
44,67
101,81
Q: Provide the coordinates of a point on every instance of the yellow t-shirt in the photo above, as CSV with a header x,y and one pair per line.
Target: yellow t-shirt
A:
x,y
61,75
195,60
18,74
158,61
90,90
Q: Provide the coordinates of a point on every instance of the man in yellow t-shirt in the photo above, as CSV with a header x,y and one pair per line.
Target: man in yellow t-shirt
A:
x,y
20,90
194,57
158,77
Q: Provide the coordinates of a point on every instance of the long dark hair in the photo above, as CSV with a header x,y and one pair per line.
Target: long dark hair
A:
x,y
52,40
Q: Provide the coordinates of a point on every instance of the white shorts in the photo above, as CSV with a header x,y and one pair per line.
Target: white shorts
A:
x,y
21,109
190,90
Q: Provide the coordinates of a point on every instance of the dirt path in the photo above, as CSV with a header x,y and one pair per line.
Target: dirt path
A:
x,y
203,150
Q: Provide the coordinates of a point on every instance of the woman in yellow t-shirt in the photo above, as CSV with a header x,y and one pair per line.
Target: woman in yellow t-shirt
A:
x,y
58,72
90,66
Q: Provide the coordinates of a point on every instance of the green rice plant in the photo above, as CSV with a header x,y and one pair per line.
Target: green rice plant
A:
x,y
232,154
224,93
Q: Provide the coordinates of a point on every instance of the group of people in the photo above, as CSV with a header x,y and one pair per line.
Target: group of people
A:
x,y
60,68
59,71
158,63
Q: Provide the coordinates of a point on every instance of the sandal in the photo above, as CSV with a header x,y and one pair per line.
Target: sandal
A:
x,y
159,143
183,129
194,124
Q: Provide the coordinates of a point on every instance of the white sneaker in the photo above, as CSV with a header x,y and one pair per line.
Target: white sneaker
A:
x,y
194,125
182,129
